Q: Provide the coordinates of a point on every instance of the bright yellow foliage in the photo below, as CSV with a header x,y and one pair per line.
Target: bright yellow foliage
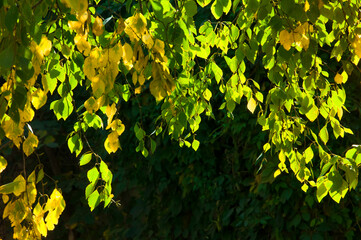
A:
x,y
55,205
82,44
299,36
79,6
110,112
112,144
30,143
98,26
252,104
13,130
117,126
135,27
356,44
162,84
38,98
91,105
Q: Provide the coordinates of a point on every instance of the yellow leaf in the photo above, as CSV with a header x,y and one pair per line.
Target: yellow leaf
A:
x,y
138,90
44,47
120,25
82,16
30,143
338,78
91,105
148,40
127,56
320,4
12,130
135,77
31,188
112,144
82,44
115,53
135,27
339,113
141,78
252,104
3,163
55,205
117,126
27,114
286,39
307,6
8,209
77,5
110,112
304,187
98,26
276,173
159,47
162,83
356,44
38,219
38,98
5,198
17,186
76,26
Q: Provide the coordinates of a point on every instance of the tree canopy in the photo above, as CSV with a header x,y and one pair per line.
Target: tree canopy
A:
x,y
132,74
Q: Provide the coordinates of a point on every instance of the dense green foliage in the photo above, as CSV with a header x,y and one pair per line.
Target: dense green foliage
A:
x,y
187,119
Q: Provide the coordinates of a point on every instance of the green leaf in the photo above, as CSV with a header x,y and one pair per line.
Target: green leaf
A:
x,y
62,108
11,18
339,186
232,63
153,145
75,144
85,159
216,71
93,120
191,8
325,168
217,9
323,186
6,59
93,200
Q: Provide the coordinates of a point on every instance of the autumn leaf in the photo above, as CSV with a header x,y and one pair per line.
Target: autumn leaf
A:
x,y
252,104
98,28
38,98
111,143
30,143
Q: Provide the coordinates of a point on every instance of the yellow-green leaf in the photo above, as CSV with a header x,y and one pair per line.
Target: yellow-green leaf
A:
x,y
324,134
86,158
3,163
